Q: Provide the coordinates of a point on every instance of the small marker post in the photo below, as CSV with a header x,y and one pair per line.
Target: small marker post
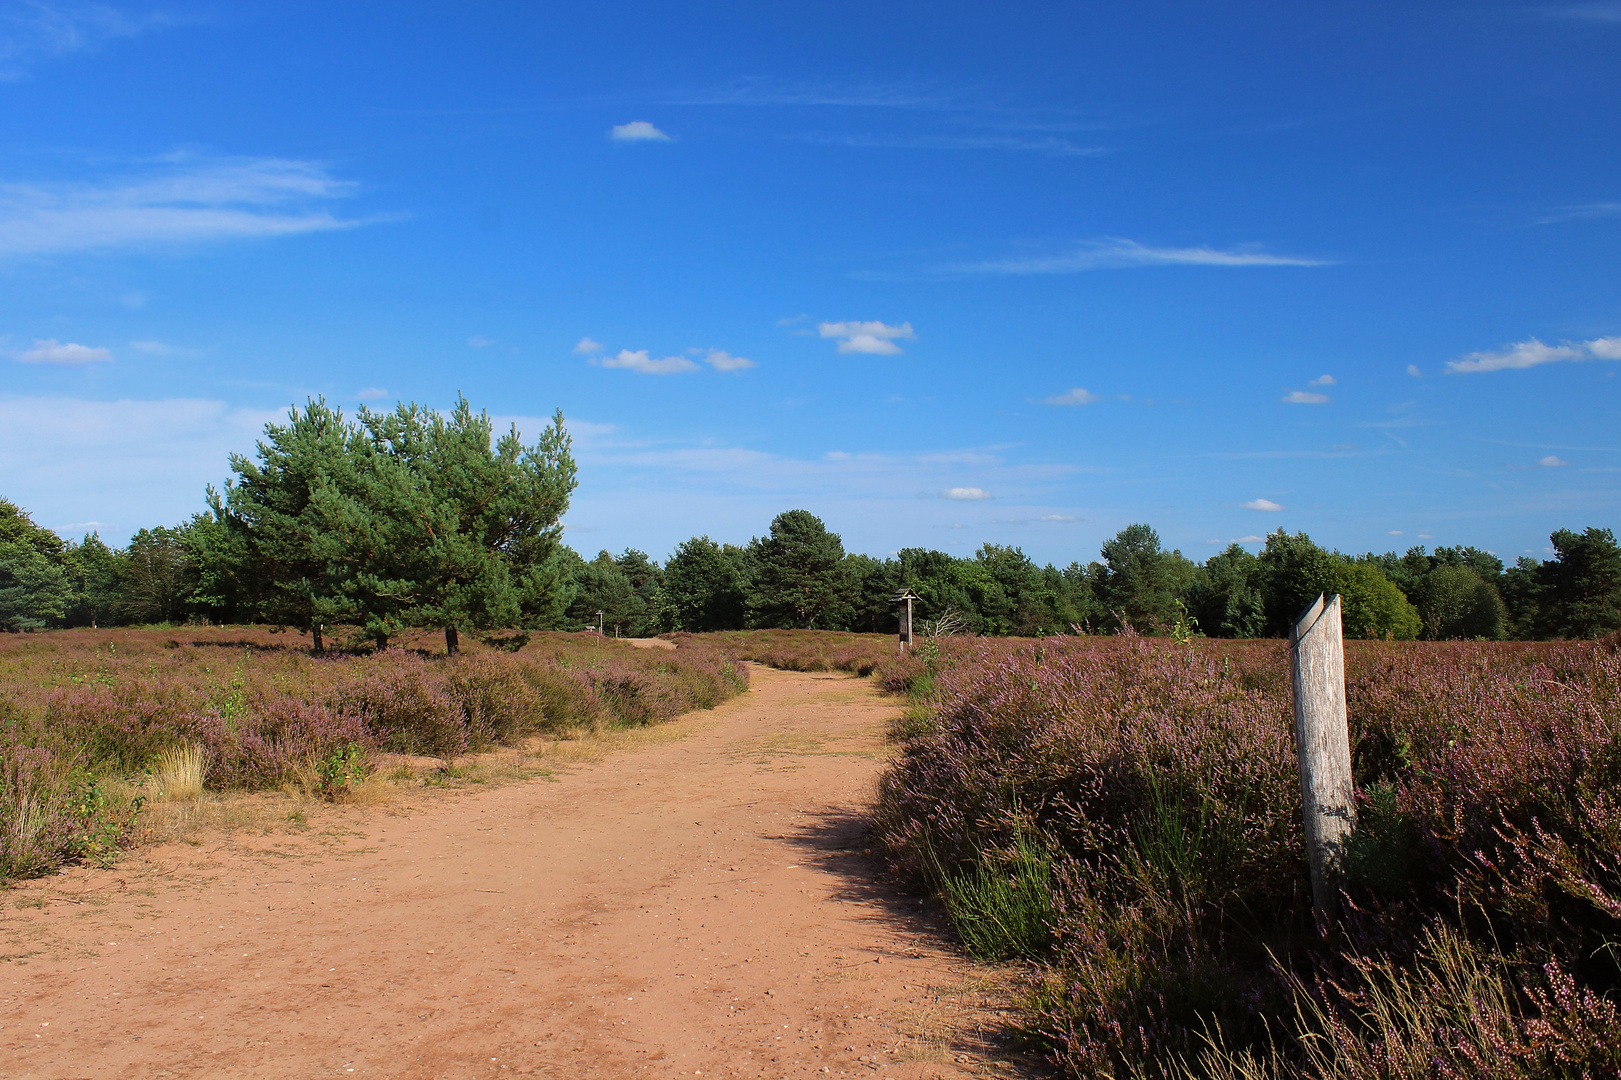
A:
x,y
1323,748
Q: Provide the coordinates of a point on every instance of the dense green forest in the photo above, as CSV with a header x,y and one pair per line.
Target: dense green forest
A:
x,y
416,519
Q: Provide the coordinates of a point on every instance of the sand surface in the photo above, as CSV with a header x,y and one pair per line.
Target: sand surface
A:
x,y
699,906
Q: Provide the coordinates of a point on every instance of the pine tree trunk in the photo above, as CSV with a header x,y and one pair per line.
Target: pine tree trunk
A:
x,y
382,642
320,644
452,642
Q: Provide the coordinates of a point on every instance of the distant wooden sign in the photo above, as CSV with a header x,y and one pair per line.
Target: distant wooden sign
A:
x,y
905,598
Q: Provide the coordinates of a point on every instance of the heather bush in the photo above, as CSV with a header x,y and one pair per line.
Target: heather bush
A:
x,y
246,709
1482,911
51,811
405,701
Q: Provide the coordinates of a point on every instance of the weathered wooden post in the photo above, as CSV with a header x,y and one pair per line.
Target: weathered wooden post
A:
x,y
906,596
600,614
1323,748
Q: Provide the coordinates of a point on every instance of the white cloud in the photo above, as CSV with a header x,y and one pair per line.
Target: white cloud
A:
x,y
867,337
1600,12
966,494
1323,380
1076,396
1304,397
1413,370
479,341
371,393
637,131
641,362
51,351
1552,462
1112,253
1248,540
126,464
1577,213
1393,532
587,347
155,348
1262,504
179,200
1060,518
721,360
1533,353
34,31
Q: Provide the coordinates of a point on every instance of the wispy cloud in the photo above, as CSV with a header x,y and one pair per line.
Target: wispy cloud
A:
x,y
721,360
1580,212
867,337
1058,518
122,463
965,494
35,30
1600,12
479,341
1323,380
587,347
1552,461
65,353
179,200
1113,252
1533,353
1305,397
1053,145
1415,371
637,131
760,92
1263,504
1076,396
639,361
371,393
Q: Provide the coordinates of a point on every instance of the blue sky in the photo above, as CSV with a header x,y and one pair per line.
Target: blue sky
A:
x,y
940,273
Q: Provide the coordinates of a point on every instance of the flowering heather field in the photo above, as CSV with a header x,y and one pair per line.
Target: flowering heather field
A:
x,y
1125,813
248,709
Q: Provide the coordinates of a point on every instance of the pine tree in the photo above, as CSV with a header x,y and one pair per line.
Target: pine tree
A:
x,y
472,529
35,589
800,572
269,546
702,589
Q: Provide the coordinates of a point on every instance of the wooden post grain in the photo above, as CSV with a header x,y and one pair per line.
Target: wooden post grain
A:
x,y
1323,748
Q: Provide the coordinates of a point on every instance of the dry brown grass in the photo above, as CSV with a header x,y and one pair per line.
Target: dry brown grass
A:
x,y
178,774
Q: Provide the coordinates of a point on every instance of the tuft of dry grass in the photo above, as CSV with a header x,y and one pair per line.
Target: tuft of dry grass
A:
x,y
177,775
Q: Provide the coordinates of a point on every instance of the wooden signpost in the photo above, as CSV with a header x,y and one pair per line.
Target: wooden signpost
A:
x,y
906,596
1323,748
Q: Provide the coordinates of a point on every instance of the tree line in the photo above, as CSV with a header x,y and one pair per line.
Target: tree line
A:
x,y
413,519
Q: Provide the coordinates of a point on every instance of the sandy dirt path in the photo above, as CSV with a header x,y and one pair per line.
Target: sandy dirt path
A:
x,y
700,906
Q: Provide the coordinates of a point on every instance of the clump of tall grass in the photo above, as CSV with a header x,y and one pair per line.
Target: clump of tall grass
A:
x,y
177,774
1002,904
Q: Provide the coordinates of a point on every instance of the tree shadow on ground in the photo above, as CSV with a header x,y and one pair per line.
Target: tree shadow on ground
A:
x,y
843,846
